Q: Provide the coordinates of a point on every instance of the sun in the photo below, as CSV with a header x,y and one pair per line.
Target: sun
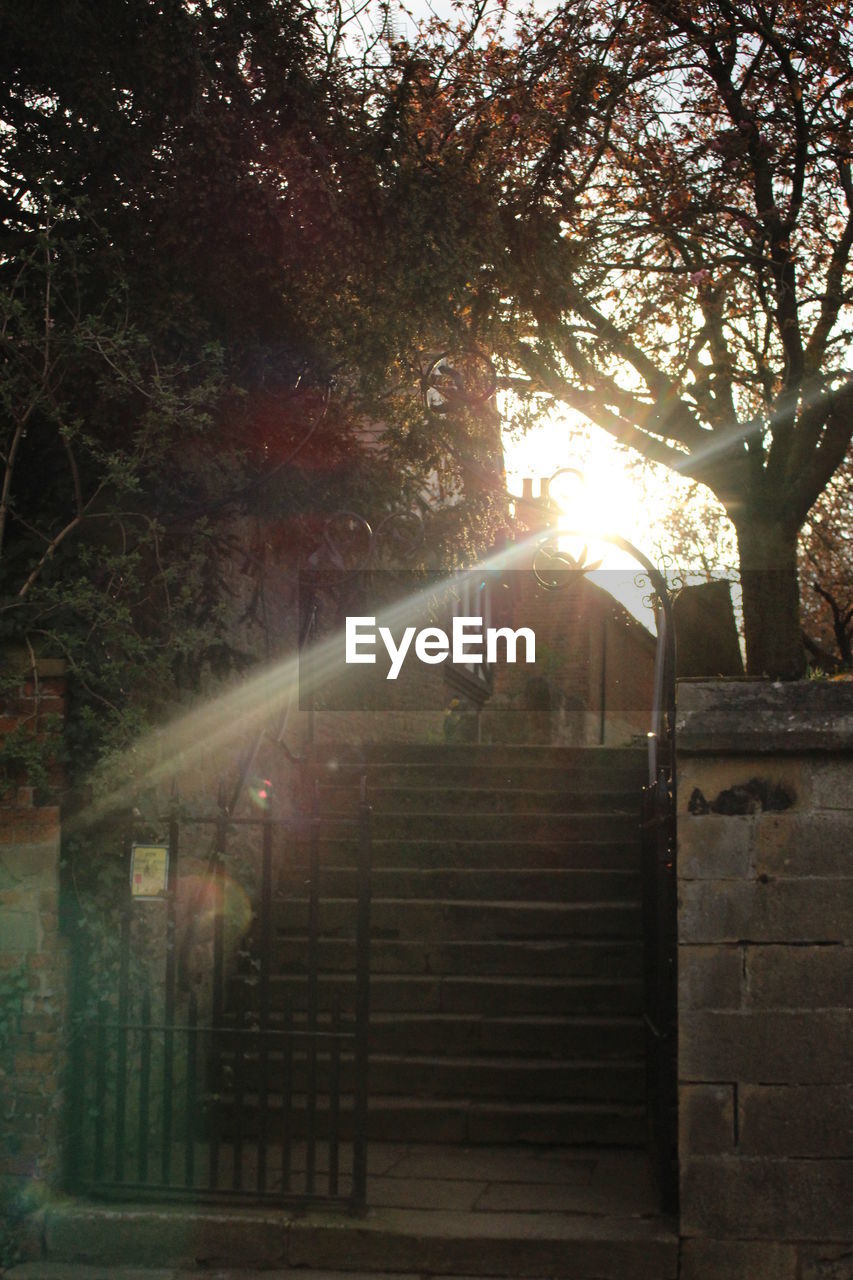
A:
x,y
598,493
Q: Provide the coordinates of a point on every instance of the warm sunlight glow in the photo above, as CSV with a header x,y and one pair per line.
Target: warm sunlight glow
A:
x,y
593,485
597,492
600,498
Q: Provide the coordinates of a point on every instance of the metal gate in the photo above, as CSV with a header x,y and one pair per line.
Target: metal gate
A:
x,y
660,906
207,1062
658,861
661,981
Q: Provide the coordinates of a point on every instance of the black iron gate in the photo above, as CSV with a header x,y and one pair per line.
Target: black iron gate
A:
x,y
660,904
208,1060
661,982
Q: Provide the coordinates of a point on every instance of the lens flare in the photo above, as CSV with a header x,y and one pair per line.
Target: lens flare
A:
x,y
260,793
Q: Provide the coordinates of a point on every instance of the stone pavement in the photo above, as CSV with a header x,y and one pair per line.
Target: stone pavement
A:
x,y
546,1213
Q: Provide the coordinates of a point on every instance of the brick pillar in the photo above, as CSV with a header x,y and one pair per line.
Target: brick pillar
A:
x,y
766,974
33,975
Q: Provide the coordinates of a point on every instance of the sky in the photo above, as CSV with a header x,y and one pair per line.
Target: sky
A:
x,y
609,498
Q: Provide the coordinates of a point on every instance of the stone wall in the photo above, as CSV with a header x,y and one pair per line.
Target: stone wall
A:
x,y
766,980
33,978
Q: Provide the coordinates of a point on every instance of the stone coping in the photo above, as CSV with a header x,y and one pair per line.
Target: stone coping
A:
x,y
756,717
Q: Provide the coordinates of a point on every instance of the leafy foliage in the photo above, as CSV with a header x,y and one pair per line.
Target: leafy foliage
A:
x,y
826,573
673,243
208,286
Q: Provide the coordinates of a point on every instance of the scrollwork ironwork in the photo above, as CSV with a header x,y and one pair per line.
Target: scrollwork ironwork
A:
x,y
458,380
348,541
551,563
669,574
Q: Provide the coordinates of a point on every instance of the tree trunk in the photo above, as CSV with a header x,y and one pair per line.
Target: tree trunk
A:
x,y
771,600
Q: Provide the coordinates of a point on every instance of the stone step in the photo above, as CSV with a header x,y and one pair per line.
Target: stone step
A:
x,y
599,777
460,1035
561,1036
492,1244
489,884
488,1122
460,754
449,920
462,995
502,826
506,992
460,798
487,853
535,1079
479,1121
572,958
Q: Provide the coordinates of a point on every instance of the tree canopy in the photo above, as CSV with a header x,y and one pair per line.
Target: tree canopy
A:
x,y
676,199
194,325
228,239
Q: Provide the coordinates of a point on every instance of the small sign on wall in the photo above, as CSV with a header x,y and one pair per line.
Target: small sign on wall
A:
x,y
149,870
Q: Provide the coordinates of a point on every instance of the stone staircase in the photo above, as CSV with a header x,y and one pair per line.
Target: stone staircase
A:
x,y
505,1011
506,949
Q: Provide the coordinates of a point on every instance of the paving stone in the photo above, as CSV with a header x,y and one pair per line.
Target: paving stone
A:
x,y
48,1271
499,1245
425,1193
79,1271
507,1164
509,1197
157,1237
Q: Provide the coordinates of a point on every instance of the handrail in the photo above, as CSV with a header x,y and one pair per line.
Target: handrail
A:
x,y
662,731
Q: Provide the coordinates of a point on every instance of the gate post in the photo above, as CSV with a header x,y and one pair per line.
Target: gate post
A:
x,y
33,954
362,1005
765,945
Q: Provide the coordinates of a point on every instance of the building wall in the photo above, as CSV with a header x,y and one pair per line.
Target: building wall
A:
x,y
594,668
33,961
765,874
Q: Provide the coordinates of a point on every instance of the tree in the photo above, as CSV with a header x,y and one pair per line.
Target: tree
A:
x,y
697,539
677,206
826,573
207,286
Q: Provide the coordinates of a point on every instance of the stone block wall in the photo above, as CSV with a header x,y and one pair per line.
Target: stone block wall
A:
x,y
765,877
33,963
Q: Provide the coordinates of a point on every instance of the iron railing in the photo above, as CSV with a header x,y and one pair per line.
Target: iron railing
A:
x,y
193,1080
660,930
658,857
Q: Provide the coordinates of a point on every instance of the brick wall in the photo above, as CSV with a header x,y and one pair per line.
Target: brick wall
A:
x,y
766,980
33,974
